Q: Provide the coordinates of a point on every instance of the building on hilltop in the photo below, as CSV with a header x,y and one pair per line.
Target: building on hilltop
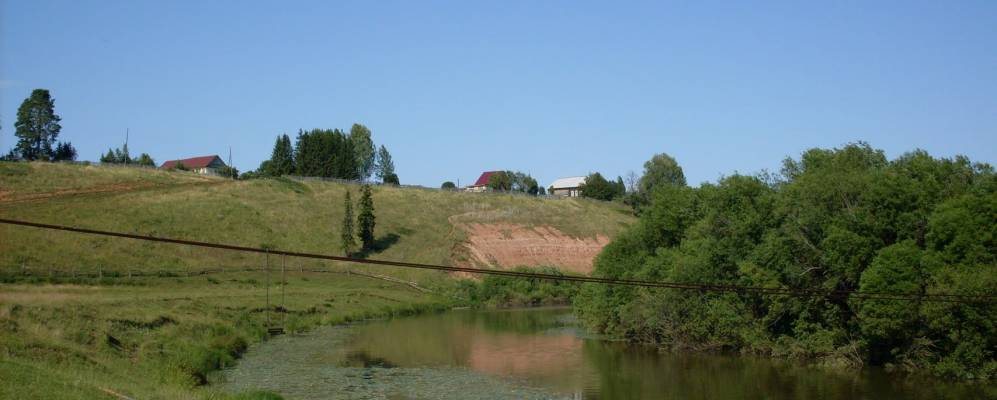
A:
x,y
570,187
481,185
207,165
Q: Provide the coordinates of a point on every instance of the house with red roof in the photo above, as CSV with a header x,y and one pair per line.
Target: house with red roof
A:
x,y
208,165
481,185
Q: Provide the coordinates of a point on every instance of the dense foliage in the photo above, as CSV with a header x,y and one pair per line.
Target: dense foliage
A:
x,y
121,156
840,219
597,187
329,153
505,291
514,181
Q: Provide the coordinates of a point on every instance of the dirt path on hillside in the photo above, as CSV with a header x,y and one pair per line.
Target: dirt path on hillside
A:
x,y
10,197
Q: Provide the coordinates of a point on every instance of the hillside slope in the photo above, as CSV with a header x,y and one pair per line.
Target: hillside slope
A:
x,y
412,225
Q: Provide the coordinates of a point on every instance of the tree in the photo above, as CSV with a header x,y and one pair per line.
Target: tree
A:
x,y
180,166
64,152
282,157
145,160
661,169
500,181
391,179
228,171
365,219
363,151
385,166
448,186
522,182
347,241
597,187
37,126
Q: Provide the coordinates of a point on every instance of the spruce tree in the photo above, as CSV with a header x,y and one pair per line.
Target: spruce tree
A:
x,y
366,218
347,242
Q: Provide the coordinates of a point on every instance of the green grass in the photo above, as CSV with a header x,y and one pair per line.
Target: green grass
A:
x,y
281,213
83,316
162,337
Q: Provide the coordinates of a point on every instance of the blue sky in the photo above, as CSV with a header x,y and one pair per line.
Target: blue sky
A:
x,y
550,88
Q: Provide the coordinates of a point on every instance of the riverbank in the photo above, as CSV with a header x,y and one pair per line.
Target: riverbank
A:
x,y
539,353
160,337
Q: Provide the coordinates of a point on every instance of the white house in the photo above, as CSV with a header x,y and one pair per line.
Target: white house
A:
x,y
570,187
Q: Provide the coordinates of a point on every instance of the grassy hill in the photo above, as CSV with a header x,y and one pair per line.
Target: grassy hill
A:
x,y
412,225
87,317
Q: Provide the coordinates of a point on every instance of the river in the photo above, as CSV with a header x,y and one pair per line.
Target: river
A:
x,y
535,354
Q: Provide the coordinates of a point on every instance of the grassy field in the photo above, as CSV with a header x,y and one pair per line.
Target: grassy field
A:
x,y
412,225
86,317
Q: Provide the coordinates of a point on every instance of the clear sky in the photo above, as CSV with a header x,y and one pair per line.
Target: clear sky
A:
x,y
550,88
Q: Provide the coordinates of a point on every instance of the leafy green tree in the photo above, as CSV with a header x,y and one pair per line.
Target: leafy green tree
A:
x,y
500,181
64,151
392,179
180,166
365,220
347,241
37,126
448,186
661,169
363,151
839,219
228,171
385,167
597,187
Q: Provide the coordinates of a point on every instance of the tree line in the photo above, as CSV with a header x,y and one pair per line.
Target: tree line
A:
x,y
329,153
38,127
845,219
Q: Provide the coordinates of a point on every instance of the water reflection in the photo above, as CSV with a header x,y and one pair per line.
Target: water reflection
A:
x,y
541,354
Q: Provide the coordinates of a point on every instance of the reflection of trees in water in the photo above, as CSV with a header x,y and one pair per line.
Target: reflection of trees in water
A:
x,y
637,372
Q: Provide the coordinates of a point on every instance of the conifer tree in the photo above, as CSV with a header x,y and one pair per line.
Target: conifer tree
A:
x,y
37,126
365,219
347,242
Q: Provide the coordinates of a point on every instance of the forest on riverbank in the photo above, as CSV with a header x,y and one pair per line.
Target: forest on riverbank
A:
x,y
844,219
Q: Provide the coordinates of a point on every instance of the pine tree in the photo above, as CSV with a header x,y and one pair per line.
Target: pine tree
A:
x,y
347,242
37,126
366,218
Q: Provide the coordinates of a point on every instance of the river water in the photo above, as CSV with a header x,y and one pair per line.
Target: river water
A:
x,y
536,354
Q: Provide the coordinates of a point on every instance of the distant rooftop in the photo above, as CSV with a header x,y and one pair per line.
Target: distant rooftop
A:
x,y
567,183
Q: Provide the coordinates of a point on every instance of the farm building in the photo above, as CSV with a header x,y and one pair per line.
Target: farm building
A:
x,y
570,187
481,185
207,165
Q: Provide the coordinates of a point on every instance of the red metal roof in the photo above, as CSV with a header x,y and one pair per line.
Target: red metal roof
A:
x,y
483,179
195,162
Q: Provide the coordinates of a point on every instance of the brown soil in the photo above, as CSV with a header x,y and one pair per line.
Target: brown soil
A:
x,y
504,245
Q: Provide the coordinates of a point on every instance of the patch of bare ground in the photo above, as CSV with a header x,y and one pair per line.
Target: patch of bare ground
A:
x,y
503,245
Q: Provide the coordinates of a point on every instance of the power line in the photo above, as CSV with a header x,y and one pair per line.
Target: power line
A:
x,y
705,287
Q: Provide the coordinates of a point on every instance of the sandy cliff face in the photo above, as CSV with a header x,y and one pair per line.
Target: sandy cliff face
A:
x,y
502,245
